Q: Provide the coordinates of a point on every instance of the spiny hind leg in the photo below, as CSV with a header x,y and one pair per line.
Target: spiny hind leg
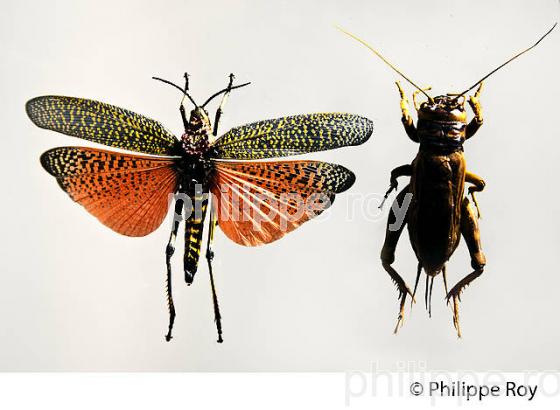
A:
x,y
471,234
395,226
209,258
169,251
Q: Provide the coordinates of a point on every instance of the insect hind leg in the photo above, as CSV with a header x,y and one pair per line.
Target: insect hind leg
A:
x,y
471,234
209,258
169,251
388,256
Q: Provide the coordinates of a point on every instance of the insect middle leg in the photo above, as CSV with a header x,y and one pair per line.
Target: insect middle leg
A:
x,y
478,186
403,170
471,234
392,235
169,251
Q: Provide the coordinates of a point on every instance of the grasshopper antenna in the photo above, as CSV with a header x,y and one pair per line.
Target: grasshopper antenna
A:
x,y
225,90
507,62
183,90
378,54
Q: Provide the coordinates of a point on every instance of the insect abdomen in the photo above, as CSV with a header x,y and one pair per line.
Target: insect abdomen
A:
x,y
434,216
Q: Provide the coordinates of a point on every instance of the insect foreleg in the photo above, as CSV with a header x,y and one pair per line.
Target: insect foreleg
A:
x,y
478,186
182,105
220,109
388,256
415,94
477,121
471,234
407,120
169,251
209,258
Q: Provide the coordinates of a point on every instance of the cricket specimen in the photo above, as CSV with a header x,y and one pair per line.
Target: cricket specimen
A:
x,y
439,213
250,200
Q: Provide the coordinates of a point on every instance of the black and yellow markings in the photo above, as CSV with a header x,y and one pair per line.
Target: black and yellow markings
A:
x,y
102,123
194,227
293,135
292,176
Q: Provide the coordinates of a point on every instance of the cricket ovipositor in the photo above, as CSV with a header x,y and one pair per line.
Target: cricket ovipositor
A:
x,y
253,202
439,212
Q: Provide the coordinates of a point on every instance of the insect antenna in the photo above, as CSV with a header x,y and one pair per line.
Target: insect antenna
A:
x,y
183,90
507,62
227,89
378,54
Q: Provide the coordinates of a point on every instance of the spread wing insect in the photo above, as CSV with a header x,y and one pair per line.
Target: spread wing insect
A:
x,y
439,213
254,202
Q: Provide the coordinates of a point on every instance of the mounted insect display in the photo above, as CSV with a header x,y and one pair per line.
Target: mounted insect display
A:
x,y
438,211
253,202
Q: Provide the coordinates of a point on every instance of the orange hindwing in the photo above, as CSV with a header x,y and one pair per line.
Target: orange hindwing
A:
x,y
259,202
128,193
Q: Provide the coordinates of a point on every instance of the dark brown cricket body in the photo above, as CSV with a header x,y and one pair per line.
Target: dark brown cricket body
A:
x,y
439,213
437,182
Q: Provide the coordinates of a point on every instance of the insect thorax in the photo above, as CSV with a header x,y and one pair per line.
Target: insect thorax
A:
x,y
195,143
442,126
448,135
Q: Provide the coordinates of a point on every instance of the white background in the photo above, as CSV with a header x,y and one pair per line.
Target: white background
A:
x,y
252,390
76,296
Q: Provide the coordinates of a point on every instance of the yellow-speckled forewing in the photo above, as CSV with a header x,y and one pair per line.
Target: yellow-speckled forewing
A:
x,y
102,123
298,134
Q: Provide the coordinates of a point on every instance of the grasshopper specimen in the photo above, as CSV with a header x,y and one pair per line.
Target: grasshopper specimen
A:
x,y
439,212
130,192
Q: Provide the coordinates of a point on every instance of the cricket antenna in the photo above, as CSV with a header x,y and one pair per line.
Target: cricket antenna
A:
x,y
507,62
183,90
385,61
